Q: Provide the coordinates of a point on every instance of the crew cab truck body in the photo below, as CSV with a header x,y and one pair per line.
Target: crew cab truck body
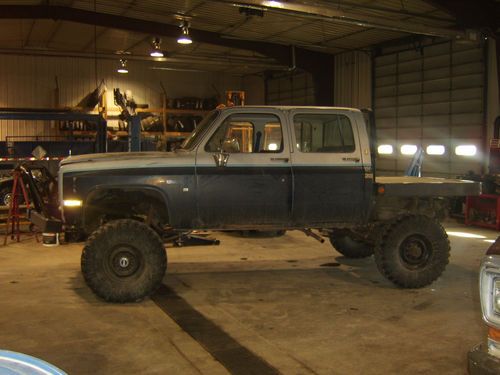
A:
x,y
269,168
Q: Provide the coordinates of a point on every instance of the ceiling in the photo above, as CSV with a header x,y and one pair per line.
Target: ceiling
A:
x,y
327,27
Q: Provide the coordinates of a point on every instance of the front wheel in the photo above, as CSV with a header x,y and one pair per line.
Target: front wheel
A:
x,y
124,261
413,252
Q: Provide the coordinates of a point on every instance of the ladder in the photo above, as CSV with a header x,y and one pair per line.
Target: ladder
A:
x,y
14,216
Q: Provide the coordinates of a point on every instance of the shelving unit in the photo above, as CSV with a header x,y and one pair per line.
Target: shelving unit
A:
x,y
165,112
163,136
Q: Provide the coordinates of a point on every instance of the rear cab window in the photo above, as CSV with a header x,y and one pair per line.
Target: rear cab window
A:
x,y
323,133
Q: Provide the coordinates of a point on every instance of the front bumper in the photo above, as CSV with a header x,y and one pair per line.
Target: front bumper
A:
x,y
43,223
481,362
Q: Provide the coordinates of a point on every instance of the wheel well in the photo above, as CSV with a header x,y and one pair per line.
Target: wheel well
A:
x,y
391,207
146,205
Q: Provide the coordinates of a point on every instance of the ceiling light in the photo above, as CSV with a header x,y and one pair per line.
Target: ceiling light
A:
x,y
184,38
123,67
156,52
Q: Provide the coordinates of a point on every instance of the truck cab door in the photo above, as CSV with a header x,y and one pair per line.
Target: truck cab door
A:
x,y
328,169
243,172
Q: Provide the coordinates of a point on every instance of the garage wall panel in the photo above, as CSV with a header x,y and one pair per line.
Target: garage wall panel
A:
x,y
290,88
431,95
28,81
353,80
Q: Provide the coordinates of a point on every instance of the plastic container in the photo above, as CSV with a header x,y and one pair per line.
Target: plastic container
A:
x,y
50,239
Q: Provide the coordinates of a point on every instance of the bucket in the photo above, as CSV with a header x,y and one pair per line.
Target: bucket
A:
x,y
50,239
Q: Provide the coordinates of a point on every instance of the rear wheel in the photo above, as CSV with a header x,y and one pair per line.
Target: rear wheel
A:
x,y
350,247
413,252
124,261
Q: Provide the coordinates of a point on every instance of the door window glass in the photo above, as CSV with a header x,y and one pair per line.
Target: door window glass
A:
x,y
247,134
322,133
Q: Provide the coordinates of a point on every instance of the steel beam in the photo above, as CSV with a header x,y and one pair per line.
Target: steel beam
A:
x,y
323,10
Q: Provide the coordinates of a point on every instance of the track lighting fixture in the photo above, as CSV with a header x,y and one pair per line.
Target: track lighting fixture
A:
x,y
122,68
156,52
184,38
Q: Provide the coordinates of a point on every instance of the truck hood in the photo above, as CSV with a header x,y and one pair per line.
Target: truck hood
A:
x,y
126,160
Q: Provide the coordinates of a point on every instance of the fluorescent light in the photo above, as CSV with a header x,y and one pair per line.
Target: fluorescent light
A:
x,y
274,4
408,149
156,53
385,149
72,203
435,150
466,150
489,241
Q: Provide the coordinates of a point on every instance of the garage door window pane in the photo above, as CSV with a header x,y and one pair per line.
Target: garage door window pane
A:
x,y
324,133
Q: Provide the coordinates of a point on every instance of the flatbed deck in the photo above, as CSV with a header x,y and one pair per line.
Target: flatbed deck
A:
x,y
405,186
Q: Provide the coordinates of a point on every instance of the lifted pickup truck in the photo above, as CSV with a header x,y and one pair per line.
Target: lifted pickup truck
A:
x,y
245,168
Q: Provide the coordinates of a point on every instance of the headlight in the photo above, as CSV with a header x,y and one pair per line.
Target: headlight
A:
x,y
489,289
489,292
72,203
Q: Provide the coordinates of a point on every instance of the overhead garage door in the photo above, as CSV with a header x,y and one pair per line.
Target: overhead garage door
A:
x,y
433,96
294,88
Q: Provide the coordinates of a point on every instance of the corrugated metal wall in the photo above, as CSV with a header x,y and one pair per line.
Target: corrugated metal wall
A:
x,y
431,95
293,88
353,80
28,81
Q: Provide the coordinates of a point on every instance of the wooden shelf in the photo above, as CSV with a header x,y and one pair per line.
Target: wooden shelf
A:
x,y
81,132
173,111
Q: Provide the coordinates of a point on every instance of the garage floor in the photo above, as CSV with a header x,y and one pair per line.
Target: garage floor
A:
x,y
259,305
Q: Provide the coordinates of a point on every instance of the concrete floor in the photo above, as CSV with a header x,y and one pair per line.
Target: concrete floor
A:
x,y
272,295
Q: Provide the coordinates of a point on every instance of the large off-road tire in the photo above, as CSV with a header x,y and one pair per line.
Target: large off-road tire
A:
x,y
413,251
5,196
350,247
124,261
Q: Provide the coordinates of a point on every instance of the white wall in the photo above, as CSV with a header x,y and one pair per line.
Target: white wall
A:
x,y
29,81
353,82
255,90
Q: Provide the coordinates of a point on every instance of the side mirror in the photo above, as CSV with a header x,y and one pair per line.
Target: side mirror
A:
x,y
221,158
230,145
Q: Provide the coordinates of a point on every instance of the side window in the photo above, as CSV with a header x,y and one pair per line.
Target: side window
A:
x,y
328,133
247,133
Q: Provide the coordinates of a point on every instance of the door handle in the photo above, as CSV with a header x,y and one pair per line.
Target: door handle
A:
x,y
356,160
280,159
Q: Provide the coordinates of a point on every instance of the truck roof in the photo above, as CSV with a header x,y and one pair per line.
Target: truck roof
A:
x,y
290,107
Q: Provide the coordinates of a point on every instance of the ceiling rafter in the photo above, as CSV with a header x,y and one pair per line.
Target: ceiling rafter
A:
x,y
323,10
94,39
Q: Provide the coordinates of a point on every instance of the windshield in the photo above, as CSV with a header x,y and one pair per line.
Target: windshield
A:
x,y
197,133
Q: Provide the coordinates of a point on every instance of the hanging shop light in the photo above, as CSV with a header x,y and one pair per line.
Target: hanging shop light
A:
x,y
156,52
122,68
184,38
